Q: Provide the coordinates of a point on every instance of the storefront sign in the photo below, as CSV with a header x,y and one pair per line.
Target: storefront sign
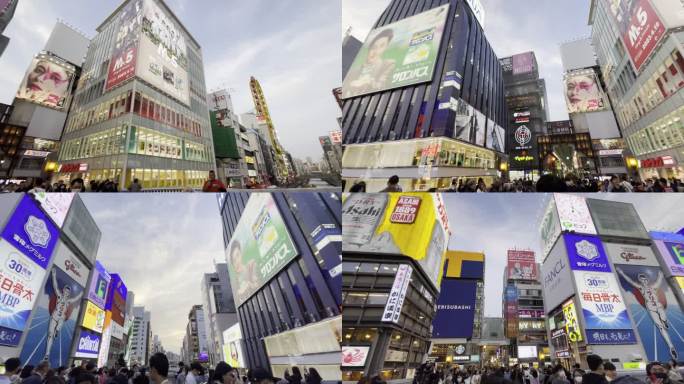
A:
x,y
406,210
574,214
586,253
630,254
73,167
31,152
354,356
9,337
572,328
610,152
395,302
88,345
658,162
394,355
93,318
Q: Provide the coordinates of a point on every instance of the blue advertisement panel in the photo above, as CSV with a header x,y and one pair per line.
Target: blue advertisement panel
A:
x,y
31,232
88,345
99,284
586,253
658,317
9,337
455,309
116,285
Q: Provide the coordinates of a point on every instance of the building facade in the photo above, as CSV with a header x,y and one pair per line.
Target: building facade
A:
x,y
563,151
439,118
140,336
6,15
219,310
140,109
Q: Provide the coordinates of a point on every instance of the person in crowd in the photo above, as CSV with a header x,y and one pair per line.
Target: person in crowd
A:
x,y
38,374
559,376
260,375
534,376
135,186
224,374
359,187
610,370
195,371
656,373
11,371
296,377
182,371
85,378
159,368
213,184
392,185
481,186
596,375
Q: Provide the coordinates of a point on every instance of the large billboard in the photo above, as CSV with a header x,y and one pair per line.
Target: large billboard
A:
x,y
56,312
630,254
260,247
455,309
523,63
232,347
56,205
99,285
640,28
522,265
605,316
556,279
672,254
549,229
368,228
583,92
573,213
116,299
613,218
162,53
47,82
652,304
88,345
464,265
93,317
125,50
496,137
586,253
398,54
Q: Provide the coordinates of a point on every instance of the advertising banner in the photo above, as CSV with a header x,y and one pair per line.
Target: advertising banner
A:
x,y
116,299
398,54
572,328
47,82
105,341
56,312
125,50
99,286
549,229
367,228
640,27
395,301
573,213
31,232
464,265
81,229
556,279
605,315
406,210
672,254
630,254
93,318
232,347
613,218
117,330
523,63
511,311
496,137
586,253
162,56
652,304
354,356
88,345
455,309
583,92
260,247
522,265
56,205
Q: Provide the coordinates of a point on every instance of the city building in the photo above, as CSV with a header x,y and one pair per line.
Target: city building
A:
x,y
195,344
258,136
527,103
10,139
350,48
493,342
523,309
389,292
562,150
7,9
440,115
639,50
141,335
590,108
219,310
292,314
330,155
43,114
140,110
157,346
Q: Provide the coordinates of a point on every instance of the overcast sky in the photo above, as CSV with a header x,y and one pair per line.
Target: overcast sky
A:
x,y
511,27
493,223
291,46
161,245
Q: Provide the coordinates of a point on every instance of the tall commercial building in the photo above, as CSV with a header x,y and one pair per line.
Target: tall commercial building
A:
x,y
393,251
195,346
258,133
294,240
219,310
424,99
141,335
7,8
140,108
527,113
639,49
350,48
330,154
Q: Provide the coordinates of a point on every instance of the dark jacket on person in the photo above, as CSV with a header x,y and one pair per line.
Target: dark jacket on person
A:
x,y
593,378
33,379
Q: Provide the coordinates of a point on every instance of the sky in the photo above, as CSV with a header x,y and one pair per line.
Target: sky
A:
x,y
161,245
496,222
511,27
293,49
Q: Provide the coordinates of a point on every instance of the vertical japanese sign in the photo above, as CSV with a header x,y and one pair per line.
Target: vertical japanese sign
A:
x,y
396,297
572,328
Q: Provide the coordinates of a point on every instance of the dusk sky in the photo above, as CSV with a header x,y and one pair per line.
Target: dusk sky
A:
x,y
291,46
511,27
493,223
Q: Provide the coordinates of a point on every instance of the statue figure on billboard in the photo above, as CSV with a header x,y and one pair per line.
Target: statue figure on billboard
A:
x,y
60,308
652,298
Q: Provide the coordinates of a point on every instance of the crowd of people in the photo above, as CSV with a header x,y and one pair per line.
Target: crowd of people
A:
x,y
157,372
546,183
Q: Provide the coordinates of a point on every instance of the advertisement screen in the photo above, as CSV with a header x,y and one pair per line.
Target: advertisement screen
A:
x,y
93,317
522,265
162,57
354,356
56,312
586,253
605,316
232,347
527,351
496,137
640,27
613,218
99,285
47,82
56,205
398,54
260,247
583,92
658,317
573,213
556,279
630,254
572,329
479,128
88,345
116,299
455,309
125,49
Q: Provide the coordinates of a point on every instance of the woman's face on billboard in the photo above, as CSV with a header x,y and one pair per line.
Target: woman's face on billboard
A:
x,y
581,89
377,49
48,78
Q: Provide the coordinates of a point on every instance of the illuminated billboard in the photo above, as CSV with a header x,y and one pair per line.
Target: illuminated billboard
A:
x,y
233,352
99,285
93,317
583,92
47,82
398,54
522,265
125,50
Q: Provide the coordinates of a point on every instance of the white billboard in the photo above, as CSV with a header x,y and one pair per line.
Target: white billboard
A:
x,y
56,205
397,295
573,213
233,353
630,254
556,278
354,356
549,229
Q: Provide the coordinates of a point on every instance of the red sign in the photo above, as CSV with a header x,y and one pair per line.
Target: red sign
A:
x,y
641,29
121,67
406,210
73,167
658,162
521,265
430,151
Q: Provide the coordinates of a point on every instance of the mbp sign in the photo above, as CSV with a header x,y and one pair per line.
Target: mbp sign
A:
x,y
406,210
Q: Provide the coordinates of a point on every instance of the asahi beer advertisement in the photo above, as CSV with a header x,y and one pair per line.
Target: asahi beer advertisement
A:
x,y
162,54
125,51
47,82
652,304
56,313
260,247
398,54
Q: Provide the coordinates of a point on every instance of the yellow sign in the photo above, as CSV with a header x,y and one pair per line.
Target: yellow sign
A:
x,y
93,318
680,281
634,365
455,259
571,324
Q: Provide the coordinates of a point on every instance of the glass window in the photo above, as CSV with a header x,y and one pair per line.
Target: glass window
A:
x,y
369,267
377,298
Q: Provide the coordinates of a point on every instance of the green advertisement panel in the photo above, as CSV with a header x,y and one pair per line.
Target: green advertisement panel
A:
x,y
398,54
260,247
